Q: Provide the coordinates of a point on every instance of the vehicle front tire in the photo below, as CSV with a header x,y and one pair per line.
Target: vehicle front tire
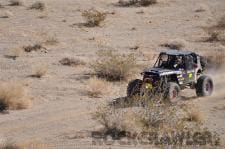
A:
x,y
134,88
173,93
204,86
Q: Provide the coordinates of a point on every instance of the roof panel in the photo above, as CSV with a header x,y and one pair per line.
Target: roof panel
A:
x,y
177,52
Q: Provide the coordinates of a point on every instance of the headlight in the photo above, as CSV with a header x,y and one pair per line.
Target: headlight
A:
x,y
148,85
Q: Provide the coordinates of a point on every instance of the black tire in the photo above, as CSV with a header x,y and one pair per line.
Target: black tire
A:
x,y
204,86
134,88
173,92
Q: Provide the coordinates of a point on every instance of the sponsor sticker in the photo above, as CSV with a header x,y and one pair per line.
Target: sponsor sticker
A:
x,y
190,75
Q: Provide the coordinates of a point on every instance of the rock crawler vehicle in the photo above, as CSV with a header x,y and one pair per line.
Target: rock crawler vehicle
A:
x,y
173,71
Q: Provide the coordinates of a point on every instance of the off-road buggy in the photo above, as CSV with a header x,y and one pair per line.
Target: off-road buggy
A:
x,y
173,71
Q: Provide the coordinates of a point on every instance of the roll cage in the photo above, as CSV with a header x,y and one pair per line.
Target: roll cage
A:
x,y
176,60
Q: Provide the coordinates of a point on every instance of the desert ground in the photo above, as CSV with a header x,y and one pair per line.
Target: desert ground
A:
x,y
61,110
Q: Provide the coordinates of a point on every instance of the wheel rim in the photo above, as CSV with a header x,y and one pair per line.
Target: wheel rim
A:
x,y
208,87
174,94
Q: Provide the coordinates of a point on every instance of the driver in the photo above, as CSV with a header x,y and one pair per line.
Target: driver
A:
x,y
178,63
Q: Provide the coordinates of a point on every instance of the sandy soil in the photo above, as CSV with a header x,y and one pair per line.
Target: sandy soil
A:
x,y
60,108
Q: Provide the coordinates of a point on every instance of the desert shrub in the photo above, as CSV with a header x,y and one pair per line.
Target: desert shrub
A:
x,y
113,66
14,53
16,3
213,36
216,33
93,17
221,23
1,6
215,58
51,40
134,47
156,117
71,61
9,145
127,3
35,47
202,8
176,44
30,144
147,2
4,16
38,6
42,16
7,14
195,116
97,87
13,96
40,71
144,3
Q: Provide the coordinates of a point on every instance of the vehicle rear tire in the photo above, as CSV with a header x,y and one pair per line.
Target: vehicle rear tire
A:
x,y
173,93
134,88
204,86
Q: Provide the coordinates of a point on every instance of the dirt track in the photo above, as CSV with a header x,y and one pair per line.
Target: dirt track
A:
x,y
60,106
